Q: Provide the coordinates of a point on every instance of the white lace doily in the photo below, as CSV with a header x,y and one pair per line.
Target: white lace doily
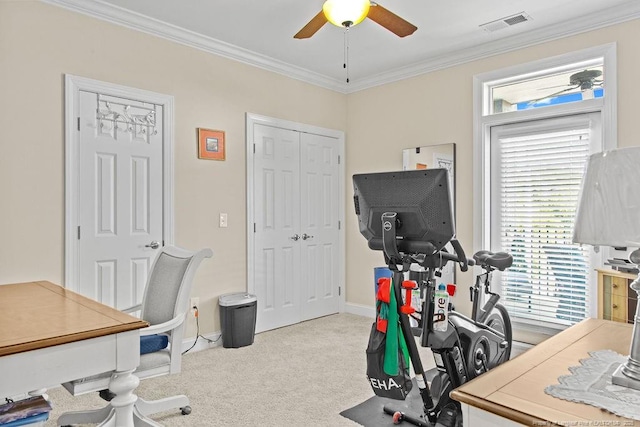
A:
x,y
590,383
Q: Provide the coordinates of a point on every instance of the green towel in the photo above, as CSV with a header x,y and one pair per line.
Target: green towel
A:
x,y
394,338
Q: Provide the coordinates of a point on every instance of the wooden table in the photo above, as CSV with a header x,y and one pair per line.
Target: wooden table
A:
x,y
50,335
513,394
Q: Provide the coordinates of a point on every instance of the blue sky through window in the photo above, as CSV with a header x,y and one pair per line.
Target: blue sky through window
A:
x,y
560,99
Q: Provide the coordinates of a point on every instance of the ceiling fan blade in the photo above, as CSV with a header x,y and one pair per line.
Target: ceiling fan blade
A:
x,y
554,94
390,21
550,87
312,26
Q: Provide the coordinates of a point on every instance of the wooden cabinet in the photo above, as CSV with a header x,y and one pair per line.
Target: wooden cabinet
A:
x,y
615,300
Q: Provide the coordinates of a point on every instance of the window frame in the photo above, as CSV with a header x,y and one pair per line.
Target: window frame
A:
x,y
483,122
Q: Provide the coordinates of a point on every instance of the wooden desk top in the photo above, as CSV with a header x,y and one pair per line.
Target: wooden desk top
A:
x,y
515,390
36,315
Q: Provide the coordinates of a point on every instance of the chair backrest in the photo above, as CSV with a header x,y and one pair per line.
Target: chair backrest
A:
x,y
166,297
168,287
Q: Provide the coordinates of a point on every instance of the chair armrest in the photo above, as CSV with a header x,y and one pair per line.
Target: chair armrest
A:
x,y
164,326
132,309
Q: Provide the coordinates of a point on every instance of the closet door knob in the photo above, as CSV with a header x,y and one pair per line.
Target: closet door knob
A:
x,y
153,245
295,237
306,236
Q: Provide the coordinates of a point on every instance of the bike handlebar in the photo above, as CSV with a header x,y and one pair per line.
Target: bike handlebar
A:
x,y
462,259
429,250
453,257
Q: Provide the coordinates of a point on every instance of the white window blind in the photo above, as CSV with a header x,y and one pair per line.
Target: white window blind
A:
x,y
535,183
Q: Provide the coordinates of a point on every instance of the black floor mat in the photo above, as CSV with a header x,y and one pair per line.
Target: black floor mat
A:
x,y
370,414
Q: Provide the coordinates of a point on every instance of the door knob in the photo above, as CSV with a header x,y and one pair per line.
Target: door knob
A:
x,y
295,237
153,245
306,236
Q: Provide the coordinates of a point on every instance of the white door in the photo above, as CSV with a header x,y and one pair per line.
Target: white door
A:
x,y
296,255
277,226
120,197
319,210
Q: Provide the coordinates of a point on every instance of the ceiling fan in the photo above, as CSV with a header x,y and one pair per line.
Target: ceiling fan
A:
x,y
347,13
584,80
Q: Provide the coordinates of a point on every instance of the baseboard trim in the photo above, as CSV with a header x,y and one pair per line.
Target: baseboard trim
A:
x,y
202,343
360,310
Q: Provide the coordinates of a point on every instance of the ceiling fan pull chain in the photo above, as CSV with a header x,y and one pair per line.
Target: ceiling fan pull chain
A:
x,y
345,65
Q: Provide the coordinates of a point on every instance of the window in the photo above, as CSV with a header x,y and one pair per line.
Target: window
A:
x,y
536,170
559,85
528,166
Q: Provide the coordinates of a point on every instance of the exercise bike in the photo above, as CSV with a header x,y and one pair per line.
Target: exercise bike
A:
x,y
414,222
492,313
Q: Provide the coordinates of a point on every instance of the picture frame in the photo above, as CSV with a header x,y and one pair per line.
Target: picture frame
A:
x,y
211,144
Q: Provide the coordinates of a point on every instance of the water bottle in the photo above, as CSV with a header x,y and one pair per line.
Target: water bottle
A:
x,y
441,302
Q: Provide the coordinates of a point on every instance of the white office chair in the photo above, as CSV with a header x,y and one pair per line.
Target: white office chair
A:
x,y
165,305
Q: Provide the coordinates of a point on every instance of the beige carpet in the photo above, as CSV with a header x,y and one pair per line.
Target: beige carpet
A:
x,y
302,375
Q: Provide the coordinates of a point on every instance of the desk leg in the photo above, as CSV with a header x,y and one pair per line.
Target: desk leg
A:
x,y
122,385
121,411
124,412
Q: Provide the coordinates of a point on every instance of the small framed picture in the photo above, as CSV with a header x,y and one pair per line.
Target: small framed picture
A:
x,y
211,144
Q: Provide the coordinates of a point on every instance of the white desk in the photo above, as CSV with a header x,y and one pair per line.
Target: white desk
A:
x,y
50,335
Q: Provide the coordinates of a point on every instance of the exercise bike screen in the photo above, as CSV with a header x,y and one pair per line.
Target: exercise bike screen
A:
x,y
421,199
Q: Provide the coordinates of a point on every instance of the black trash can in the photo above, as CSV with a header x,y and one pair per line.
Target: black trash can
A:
x,y
238,319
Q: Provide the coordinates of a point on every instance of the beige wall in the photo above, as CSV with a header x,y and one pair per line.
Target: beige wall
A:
x,y
40,43
437,108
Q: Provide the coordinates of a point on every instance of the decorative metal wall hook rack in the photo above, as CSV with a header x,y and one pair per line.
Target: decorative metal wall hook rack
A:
x,y
138,120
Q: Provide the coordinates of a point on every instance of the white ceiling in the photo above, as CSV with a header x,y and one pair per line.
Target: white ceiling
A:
x,y
260,32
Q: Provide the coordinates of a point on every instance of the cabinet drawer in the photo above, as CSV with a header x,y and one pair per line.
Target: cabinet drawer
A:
x,y
618,308
618,286
616,301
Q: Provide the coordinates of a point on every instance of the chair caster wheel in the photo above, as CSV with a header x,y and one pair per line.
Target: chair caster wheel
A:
x,y
186,410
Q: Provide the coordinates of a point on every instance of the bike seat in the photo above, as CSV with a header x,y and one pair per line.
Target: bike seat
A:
x,y
499,260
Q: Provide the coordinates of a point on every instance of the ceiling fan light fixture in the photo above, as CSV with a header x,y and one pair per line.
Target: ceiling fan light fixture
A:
x,y
346,13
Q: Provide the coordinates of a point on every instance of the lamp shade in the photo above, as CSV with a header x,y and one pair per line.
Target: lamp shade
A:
x,y
609,207
345,12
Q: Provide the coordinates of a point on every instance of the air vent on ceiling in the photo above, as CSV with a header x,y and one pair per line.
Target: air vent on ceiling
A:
x,y
506,22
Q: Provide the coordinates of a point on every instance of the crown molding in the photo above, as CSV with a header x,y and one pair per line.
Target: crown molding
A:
x,y
133,20
580,25
119,16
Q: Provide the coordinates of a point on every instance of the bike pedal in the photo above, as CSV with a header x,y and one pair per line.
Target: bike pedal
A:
x,y
447,417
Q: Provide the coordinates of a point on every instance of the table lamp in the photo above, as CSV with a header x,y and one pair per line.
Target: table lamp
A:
x,y
609,215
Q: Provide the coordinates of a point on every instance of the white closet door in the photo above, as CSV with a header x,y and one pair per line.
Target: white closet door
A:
x,y
277,241
296,230
319,206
